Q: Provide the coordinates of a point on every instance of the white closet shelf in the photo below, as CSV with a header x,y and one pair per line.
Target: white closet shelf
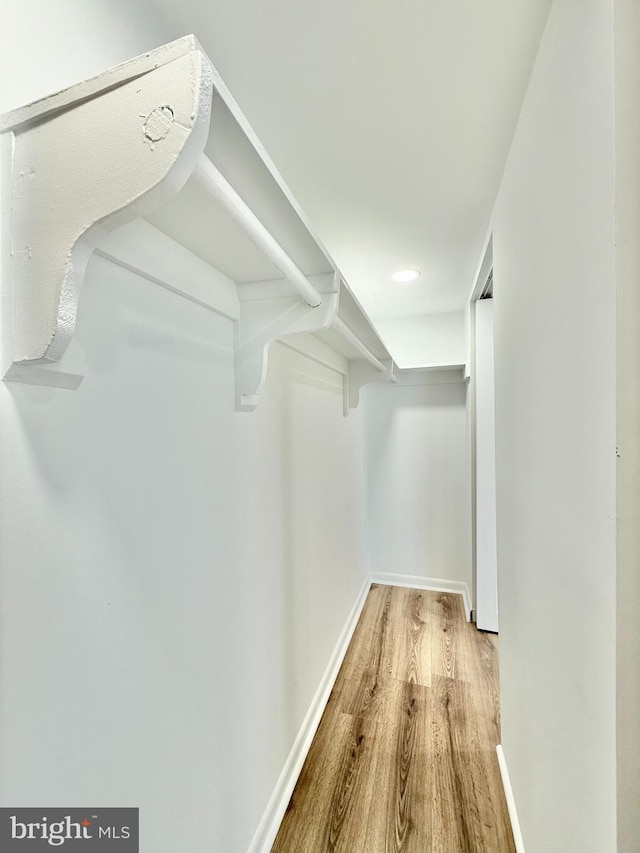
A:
x,y
428,374
160,137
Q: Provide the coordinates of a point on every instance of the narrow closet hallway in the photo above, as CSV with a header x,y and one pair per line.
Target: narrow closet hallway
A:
x,y
271,434
404,758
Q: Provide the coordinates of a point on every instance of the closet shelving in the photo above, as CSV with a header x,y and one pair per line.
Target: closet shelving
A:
x,y
161,138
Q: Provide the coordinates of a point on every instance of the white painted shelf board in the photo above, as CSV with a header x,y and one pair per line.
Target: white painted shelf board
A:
x,y
432,367
428,376
194,218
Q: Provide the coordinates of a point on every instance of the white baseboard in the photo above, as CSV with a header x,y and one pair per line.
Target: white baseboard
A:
x,y
432,584
269,825
511,803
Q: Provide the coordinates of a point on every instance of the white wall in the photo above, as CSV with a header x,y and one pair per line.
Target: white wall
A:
x,y
47,46
554,295
174,576
426,339
627,70
418,481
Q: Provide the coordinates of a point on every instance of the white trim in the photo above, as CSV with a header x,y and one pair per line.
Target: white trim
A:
x,y
431,584
486,537
485,265
511,803
413,377
28,375
272,817
150,253
179,291
434,366
311,347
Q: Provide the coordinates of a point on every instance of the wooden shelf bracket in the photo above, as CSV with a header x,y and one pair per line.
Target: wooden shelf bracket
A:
x,y
80,163
266,315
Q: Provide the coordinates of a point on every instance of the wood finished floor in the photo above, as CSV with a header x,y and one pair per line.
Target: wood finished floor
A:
x,y
404,758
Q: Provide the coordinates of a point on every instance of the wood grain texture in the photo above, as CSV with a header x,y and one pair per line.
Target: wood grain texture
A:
x,y
404,758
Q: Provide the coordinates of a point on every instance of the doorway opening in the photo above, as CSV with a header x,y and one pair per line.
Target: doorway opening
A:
x,y
483,452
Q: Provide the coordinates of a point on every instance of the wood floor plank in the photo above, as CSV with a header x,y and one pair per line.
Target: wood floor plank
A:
x,y
332,799
310,801
487,681
467,797
404,758
371,648
413,637
447,648
408,824
448,806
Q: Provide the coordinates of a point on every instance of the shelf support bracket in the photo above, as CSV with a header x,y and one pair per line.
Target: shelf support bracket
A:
x,y
264,320
80,163
363,373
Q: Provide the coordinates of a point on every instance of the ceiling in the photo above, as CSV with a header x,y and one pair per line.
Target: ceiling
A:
x,y
390,120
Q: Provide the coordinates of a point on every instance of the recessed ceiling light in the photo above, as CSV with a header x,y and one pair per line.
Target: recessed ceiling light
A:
x,y
406,275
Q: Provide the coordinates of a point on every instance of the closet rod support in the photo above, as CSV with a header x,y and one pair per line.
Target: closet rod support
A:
x,y
213,181
355,341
